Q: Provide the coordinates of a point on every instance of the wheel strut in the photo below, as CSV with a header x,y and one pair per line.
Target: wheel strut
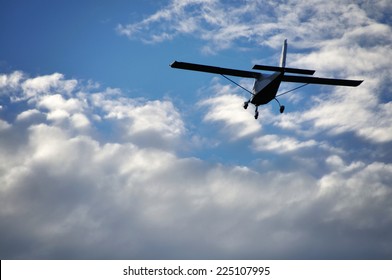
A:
x,y
256,113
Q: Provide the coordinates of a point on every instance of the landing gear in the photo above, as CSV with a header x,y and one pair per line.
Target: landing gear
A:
x,y
281,107
246,103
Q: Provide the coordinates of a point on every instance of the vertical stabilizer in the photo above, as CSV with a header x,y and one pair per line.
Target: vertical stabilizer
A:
x,y
283,55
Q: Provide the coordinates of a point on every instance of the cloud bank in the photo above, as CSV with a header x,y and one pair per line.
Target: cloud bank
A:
x,y
77,181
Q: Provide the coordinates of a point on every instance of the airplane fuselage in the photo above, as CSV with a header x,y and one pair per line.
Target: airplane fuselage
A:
x,y
265,88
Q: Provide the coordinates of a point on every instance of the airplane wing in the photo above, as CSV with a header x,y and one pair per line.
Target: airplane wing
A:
x,y
321,81
214,69
284,69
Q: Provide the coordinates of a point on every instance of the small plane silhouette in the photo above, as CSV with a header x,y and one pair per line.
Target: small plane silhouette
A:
x,y
265,87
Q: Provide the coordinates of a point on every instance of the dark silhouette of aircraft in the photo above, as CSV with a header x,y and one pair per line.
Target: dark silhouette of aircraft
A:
x,y
265,87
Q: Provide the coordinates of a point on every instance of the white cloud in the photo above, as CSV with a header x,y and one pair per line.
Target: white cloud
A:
x,y
4,125
46,84
28,115
280,144
227,109
154,122
80,121
58,102
355,111
209,20
368,184
58,115
10,81
65,104
266,22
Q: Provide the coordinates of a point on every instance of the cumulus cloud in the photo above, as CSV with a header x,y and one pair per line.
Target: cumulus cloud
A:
x,y
10,81
71,193
43,84
4,125
156,122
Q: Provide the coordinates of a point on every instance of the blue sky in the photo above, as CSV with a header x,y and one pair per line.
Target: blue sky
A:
x,y
108,153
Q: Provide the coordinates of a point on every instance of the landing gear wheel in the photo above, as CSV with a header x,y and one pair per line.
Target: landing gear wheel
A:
x,y
281,109
246,105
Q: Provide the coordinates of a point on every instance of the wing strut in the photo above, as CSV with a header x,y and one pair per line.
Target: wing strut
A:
x,y
237,84
301,86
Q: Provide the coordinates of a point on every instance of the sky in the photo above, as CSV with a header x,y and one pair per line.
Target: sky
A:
x,y
108,153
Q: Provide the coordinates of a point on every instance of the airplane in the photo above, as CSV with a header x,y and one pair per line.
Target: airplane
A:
x,y
266,86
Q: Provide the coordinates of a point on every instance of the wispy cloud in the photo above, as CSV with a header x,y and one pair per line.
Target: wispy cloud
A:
x,y
209,20
344,38
279,144
306,24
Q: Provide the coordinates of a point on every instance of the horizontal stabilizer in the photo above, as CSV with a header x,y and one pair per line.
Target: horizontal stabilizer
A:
x,y
284,69
214,69
320,81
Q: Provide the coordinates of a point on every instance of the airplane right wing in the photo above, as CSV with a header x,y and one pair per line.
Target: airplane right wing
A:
x,y
320,81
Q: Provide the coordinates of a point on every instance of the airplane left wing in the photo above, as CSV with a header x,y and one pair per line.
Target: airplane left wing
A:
x,y
214,69
320,81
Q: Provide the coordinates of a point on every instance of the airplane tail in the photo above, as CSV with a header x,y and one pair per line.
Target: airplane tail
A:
x,y
283,55
282,65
